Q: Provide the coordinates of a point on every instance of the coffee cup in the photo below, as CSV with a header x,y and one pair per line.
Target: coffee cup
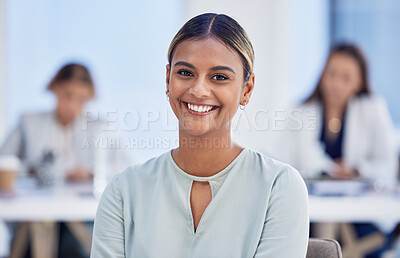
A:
x,y
9,166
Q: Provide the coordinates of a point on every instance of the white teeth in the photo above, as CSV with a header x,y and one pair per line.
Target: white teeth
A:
x,y
202,108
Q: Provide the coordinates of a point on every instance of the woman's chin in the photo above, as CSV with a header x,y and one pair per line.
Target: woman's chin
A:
x,y
203,132
196,132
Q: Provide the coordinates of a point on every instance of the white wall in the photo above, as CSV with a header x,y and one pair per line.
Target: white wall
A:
x,y
309,45
124,43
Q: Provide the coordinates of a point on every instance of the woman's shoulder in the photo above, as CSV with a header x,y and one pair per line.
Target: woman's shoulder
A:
x,y
369,101
273,169
276,177
306,111
36,118
369,107
37,115
144,171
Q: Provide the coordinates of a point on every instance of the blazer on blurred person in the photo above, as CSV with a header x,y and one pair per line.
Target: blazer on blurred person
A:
x,y
37,135
369,143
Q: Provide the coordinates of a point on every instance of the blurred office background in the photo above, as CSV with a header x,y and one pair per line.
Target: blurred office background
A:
x,y
125,43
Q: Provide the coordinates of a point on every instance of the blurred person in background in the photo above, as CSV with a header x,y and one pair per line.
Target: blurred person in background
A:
x,y
354,135
57,134
343,130
58,145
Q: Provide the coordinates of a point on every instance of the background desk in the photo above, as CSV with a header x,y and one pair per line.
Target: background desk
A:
x,y
38,209
64,205
75,203
338,213
369,207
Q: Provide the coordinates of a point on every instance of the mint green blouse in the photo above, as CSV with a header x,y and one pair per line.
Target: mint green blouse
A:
x,y
259,208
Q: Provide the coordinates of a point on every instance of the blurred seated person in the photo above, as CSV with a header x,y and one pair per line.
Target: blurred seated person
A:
x,y
63,135
343,129
60,144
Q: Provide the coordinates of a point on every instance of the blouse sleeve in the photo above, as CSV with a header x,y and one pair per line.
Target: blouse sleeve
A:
x,y
285,232
108,232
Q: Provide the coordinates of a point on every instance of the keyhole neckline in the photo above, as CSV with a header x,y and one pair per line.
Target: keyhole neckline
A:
x,y
208,178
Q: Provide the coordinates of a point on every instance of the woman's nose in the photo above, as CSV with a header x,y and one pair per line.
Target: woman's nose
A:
x,y
200,89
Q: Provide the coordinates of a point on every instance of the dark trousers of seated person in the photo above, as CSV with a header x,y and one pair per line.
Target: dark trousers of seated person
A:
x,y
363,230
68,245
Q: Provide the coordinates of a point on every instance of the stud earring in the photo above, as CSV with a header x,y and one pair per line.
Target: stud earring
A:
x,y
167,93
242,107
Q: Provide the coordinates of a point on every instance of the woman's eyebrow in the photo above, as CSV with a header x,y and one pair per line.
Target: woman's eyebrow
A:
x,y
215,68
184,64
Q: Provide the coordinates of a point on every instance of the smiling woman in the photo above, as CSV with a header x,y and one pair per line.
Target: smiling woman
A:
x,y
209,197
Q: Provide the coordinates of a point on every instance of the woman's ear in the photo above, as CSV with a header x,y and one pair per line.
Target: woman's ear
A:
x,y
248,88
167,76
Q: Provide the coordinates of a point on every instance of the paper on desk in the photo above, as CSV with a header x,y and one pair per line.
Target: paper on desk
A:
x,y
337,187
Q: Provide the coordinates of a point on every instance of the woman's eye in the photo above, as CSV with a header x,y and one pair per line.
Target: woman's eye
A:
x,y
185,73
220,77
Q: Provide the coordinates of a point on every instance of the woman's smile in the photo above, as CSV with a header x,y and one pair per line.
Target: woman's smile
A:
x,y
199,109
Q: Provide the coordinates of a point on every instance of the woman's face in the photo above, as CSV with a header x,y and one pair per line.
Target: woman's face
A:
x,y
206,84
71,97
341,79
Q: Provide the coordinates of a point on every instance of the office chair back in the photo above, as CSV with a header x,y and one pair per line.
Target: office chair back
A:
x,y
323,248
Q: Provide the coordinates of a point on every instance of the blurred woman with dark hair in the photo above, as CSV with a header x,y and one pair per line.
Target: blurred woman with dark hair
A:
x,y
352,134
344,131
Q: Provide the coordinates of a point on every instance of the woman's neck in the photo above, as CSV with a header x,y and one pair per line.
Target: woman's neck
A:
x,y
62,120
205,155
334,111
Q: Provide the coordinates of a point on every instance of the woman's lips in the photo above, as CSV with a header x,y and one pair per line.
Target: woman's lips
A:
x,y
199,109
